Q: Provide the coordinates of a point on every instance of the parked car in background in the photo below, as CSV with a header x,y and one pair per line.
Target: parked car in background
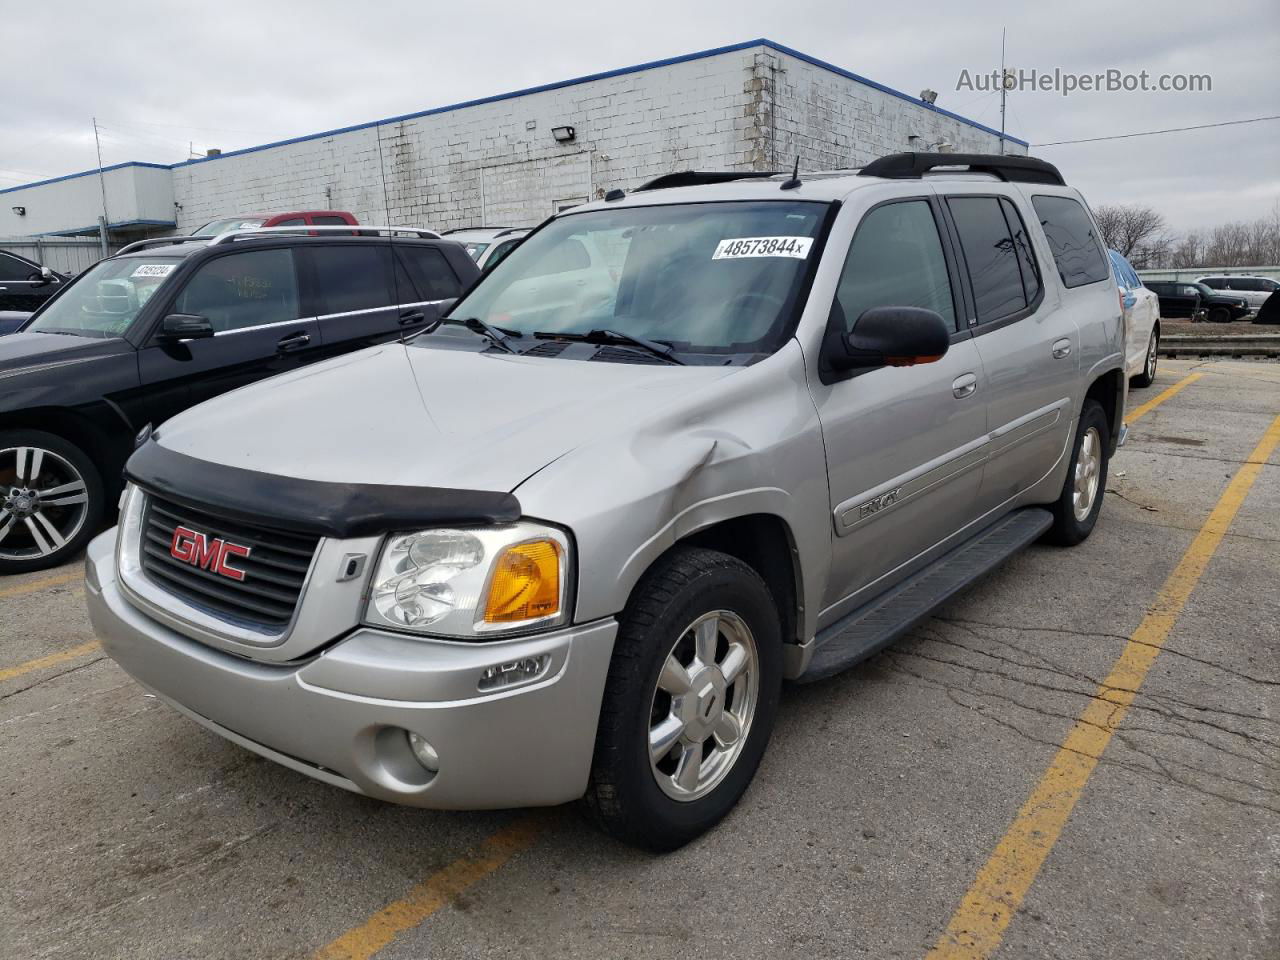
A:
x,y
298,218
25,284
488,245
1254,289
1222,307
570,549
11,320
1141,322
158,328
1178,299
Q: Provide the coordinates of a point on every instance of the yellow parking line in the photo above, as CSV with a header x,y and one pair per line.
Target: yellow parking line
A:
x,y
34,585
978,925
53,659
1138,412
431,894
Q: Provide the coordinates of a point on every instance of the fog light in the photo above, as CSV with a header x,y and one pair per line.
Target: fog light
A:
x,y
514,671
425,752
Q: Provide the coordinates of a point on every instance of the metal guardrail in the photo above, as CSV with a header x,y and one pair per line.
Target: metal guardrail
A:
x,y
1245,345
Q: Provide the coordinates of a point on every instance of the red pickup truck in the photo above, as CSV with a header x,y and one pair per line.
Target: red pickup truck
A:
x,y
297,218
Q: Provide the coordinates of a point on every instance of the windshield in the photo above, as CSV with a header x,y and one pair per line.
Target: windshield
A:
x,y
475,249
705,278
215,227
106,298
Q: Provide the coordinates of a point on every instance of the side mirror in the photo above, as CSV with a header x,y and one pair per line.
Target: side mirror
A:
x,y
185,326
890,337
46,274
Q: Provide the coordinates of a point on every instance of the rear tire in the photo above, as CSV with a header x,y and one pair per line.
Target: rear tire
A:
x,y
1077,508
1219,315
1148,374
51,500
679,737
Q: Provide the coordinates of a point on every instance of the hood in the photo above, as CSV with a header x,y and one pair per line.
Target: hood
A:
x,y
425,415
27,352
11,320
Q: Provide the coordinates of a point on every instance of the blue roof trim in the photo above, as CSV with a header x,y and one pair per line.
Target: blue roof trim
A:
x,y
544,88
81,231
840,71
88,173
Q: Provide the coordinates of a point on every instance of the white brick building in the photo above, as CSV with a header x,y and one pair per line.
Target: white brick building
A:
x,y
751,106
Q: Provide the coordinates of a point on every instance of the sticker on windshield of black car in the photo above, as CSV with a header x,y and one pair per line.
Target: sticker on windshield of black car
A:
x,y
153,270
736,248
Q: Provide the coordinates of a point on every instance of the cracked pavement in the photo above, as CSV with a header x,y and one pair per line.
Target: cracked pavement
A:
x,y
132,832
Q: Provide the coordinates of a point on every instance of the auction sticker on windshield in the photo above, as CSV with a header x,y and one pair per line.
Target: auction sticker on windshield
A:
x,y
153,270
735,248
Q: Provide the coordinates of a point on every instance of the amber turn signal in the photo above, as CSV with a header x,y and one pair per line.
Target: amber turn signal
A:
x,y
526,583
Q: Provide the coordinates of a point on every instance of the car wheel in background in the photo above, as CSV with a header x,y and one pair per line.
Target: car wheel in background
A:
x,y
51,500
1219,315
1076,511
1148,374
690,700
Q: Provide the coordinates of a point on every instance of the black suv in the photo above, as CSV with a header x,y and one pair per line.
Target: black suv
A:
x,y
1182,298
164,325
24,284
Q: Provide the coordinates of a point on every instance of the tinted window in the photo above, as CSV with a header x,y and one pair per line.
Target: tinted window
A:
x,y
503,249
352,277
431,273
1215,283
329,221
1027,265
1075,246
896,260
243,290
293,222
991,256
11,268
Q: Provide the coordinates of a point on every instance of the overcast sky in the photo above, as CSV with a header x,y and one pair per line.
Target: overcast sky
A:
x,y
161,76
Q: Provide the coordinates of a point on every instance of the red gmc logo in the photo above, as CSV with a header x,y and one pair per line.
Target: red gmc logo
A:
x,y
195,548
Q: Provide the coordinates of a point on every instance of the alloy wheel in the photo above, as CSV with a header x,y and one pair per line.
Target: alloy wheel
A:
x,y
43,502
703,705
1088,470
1153,352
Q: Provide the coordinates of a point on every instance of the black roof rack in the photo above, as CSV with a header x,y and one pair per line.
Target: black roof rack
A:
x,y
912,166
695,178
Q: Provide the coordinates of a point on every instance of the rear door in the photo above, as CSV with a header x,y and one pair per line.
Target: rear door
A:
x,y
1026,336
252,299
904,444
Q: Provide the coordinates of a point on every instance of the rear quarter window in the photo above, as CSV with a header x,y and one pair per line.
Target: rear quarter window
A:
x,y
1076,251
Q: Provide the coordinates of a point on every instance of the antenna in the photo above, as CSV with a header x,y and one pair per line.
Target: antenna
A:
x,y
795,176
1004,89
102,182
391,240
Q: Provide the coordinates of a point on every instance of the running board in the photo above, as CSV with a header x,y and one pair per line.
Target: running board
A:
x,y
872,627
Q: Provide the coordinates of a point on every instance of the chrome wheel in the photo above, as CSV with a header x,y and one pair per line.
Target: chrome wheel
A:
x,y
43,502
703,706
1088,470
1153,350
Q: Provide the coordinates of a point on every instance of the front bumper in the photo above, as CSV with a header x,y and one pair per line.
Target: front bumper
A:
x,y
342,716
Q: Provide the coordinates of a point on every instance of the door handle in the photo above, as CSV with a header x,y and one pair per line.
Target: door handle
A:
x,y
1061,348
293,342
412,316
964,385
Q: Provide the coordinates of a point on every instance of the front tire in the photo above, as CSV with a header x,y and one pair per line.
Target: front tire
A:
x,y
690,701
51,500
1148,374
1076,511
1219,315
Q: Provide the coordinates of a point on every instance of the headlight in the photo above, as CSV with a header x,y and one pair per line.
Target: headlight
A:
x,y
470,582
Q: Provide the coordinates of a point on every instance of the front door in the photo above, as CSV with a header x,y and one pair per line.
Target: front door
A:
x,y
251,298
904,444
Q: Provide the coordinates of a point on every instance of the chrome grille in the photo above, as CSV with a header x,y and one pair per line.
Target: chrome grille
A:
x,y
274,571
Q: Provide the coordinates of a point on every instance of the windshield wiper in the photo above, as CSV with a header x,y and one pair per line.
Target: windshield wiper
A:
x,y
495,335
657,348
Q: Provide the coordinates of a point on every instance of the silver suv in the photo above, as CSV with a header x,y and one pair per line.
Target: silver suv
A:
x,y
552,549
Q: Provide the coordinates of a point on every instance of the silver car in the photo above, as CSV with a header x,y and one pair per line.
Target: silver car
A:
x,y
566,547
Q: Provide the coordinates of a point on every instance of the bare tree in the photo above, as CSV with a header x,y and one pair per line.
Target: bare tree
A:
x,y
1130,228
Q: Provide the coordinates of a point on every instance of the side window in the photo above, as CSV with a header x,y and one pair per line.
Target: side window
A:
x,y
330,220
896,260
991,256
292,222
243,290
430,271
500,254
1072,239
352,277
11,268
1027,265
1215,283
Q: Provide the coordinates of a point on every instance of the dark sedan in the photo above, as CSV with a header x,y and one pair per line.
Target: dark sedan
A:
x,y
24,284
143,335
